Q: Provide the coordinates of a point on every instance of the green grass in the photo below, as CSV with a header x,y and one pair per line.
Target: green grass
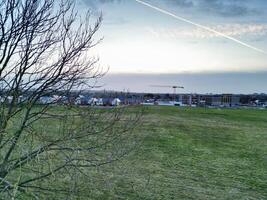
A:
x,y
192,154
186,153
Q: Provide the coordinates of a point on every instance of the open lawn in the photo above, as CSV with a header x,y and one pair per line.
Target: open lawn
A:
x,y
184,153
192,154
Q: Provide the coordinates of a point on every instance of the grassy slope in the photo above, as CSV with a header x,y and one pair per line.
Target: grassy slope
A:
x,y
193,154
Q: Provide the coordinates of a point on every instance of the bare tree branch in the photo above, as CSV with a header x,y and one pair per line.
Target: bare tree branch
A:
x,y
44,50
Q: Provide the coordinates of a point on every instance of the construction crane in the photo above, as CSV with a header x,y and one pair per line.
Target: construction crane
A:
x,y
174,87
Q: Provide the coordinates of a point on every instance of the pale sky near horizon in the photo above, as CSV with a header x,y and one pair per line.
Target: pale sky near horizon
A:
x,y
140,40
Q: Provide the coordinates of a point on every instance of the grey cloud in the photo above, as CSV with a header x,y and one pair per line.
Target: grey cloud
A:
x,y
181,3
96,3
225,8
95,7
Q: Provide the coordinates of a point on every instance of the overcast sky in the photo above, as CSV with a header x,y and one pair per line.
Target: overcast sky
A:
x,y
140,40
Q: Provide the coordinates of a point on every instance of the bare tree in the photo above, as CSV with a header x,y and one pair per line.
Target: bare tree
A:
x,y
45,151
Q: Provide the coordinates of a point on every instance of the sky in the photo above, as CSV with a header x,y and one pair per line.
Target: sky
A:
x,y
141,43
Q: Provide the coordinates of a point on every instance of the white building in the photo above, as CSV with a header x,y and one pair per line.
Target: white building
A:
x,y
99,102
92,101
116,102
46,100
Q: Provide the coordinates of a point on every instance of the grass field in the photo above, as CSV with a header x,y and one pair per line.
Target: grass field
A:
x,y
183,153
192,154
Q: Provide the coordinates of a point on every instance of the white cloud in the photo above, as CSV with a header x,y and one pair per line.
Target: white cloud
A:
x,y
233,30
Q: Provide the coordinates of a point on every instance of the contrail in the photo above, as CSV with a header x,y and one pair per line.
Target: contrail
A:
x,y
201,26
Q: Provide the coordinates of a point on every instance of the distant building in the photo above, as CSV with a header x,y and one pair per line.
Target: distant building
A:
x,y
230,100
164,103
99,102
81,100
116,102
213,100
46,100
224,100
185,99
92,101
